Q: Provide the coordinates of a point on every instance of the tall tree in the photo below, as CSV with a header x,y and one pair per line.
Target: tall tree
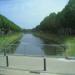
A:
x,y
6,25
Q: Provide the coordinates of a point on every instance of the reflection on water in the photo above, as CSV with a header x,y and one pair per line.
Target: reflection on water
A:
x,y
32,45
53,49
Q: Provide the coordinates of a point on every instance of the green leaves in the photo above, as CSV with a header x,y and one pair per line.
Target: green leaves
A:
x,y
55,23
6,25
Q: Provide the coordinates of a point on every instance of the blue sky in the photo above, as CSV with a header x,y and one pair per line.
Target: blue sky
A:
x,y
29,13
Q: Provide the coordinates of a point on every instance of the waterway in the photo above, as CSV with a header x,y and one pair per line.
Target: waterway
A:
x,y
30,44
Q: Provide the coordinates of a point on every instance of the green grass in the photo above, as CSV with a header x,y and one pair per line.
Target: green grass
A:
x,y
70,42
8,39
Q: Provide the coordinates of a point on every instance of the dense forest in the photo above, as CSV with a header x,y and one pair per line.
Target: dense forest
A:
x,y
62,23
7,26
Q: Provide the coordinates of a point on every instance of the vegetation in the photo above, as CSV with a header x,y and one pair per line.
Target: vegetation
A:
x,y
48,38
6,26
9,32
6,40
61,24
26,30
70,42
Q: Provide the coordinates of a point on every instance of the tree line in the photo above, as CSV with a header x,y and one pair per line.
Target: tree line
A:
x,y
7,26
62,23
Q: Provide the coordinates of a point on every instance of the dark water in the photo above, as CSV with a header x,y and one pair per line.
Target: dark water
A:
x,y
30,44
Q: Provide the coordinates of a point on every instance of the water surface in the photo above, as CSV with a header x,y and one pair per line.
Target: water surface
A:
x,y
30,44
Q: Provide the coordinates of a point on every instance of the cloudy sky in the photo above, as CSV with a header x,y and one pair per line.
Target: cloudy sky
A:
x,y
29,13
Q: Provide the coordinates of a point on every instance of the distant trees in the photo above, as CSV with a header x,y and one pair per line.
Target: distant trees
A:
x,y
48,23
6,25
27,30
61,22
69,16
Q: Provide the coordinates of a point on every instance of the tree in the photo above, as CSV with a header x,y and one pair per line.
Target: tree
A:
x,y
6,25
61,22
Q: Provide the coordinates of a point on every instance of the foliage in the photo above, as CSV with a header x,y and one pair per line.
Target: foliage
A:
x,y
9,39
61,23
6,25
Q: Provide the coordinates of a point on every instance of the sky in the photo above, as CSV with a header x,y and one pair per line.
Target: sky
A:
x,y
29,13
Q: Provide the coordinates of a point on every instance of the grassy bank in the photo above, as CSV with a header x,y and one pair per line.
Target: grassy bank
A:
x,y
8,39
68,41
49,37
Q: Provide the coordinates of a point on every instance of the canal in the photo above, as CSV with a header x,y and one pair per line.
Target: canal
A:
x,y
33,45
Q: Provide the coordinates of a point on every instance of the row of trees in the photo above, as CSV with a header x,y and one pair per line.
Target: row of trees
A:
x,y
7,26
60,23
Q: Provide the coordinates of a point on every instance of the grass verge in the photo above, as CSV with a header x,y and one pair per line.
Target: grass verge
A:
x,y
70,42
51,38
8,39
